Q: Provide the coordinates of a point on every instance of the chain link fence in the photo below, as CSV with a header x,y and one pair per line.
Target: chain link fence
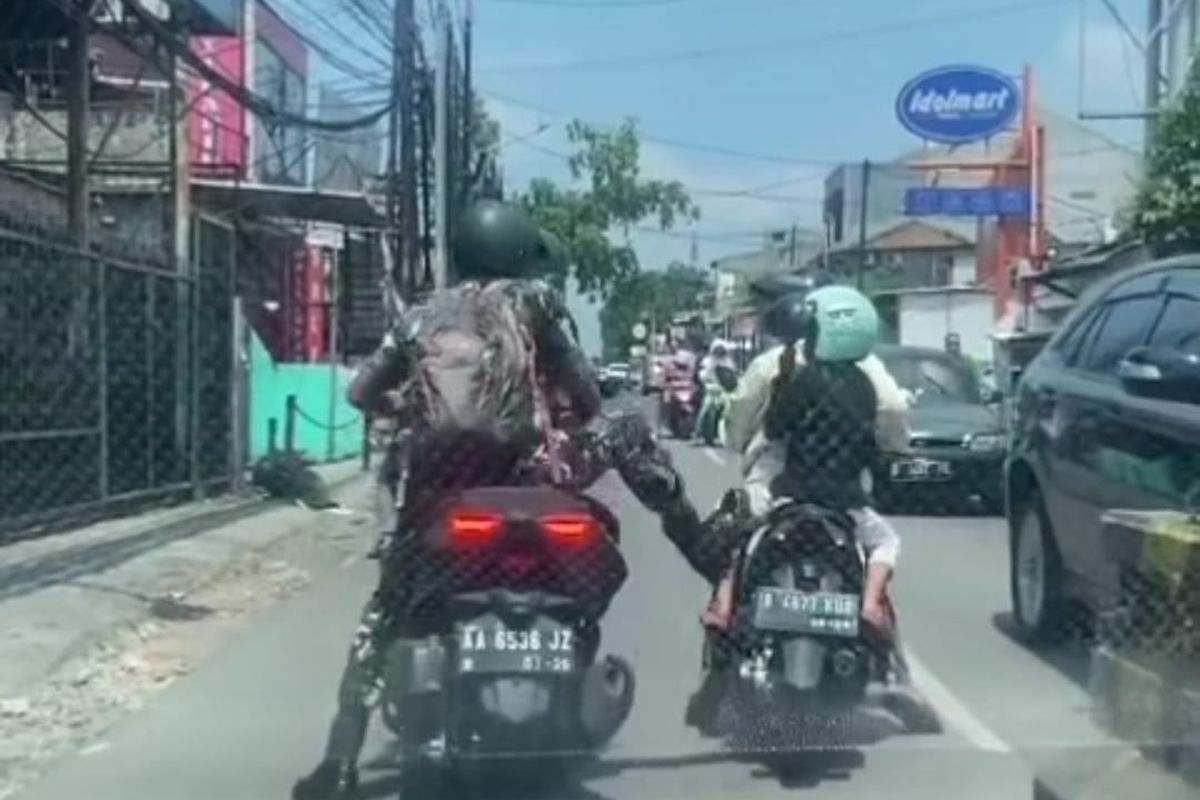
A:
x,y
116,379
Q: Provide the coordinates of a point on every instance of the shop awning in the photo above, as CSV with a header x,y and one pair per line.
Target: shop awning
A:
x,y
352,209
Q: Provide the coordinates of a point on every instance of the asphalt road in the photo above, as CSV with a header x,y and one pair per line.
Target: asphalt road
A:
x,y
253,718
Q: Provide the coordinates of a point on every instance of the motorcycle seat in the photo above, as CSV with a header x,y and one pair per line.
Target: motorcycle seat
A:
x,y
791,512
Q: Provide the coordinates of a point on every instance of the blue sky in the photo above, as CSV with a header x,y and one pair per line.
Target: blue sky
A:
x,y
809,81
732,95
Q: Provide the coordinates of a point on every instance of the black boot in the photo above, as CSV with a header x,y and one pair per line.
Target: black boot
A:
x,y
331,780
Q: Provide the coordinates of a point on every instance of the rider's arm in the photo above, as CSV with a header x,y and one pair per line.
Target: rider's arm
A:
x,y
385,370
892,409
743,414
562,361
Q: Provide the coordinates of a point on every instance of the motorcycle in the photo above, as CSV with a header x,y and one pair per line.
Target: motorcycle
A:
x,y
795,655
711,425
678,407
507,609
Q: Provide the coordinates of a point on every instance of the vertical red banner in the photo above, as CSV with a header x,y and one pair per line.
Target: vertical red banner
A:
x,y
216,122
316,303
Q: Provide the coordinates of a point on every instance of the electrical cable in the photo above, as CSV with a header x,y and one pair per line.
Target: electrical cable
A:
x,y
256,104
775,45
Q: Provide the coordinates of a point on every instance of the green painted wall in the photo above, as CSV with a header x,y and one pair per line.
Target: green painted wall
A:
x,y
270,385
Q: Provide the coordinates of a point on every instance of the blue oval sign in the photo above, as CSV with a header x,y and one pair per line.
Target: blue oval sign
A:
x,y
958,104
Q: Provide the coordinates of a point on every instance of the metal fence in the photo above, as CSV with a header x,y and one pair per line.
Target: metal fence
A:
x,y
116,379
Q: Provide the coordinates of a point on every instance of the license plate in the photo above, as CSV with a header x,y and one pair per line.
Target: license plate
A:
x,y
496,648
921,469
794,611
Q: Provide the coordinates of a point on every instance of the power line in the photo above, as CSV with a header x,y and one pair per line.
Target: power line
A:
x,y
758,48
253,102
594,3
333,59
679,143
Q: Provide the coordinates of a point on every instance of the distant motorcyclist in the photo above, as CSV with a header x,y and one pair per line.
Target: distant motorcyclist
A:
x,y
718,356
531,388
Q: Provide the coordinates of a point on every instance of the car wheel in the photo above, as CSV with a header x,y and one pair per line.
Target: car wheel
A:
x,y
1035,575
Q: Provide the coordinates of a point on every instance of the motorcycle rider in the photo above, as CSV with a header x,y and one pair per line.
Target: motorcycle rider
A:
x,y
718,356
495,242
810,423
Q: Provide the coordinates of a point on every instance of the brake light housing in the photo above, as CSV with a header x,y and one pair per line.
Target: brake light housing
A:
x,y
467,528
571,529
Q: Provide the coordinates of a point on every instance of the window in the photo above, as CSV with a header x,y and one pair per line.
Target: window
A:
x,y
1068,346
1178,328
1122,328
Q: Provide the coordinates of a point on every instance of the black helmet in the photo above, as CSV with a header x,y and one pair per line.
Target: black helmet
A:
x,y
498,240
789,318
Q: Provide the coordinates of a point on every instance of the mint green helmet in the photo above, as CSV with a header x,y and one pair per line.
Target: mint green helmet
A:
x,y
846,324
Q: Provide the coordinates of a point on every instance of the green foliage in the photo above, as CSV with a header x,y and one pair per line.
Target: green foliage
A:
x,y
612,197
642,296
1167,208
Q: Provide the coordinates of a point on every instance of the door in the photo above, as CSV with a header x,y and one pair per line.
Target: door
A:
x,y
1088,452
1152,447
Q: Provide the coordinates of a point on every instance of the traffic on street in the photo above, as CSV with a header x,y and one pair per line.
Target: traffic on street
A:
x,y
247,723
599,399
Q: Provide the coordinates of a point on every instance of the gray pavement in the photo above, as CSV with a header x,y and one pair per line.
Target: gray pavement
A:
x,y
252,717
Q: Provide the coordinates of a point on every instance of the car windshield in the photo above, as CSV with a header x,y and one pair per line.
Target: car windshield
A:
x,y
932,379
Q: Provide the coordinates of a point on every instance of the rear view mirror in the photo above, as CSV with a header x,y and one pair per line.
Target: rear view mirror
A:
x,y
1161,373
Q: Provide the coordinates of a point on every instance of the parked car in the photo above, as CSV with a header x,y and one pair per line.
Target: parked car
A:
x,y
621,373
1106,416
956,450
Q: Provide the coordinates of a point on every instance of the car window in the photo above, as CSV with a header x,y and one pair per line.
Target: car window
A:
x,y
1123,327
1068,347
932,378
1178,328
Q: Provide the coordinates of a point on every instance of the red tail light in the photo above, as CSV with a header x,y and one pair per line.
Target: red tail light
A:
x,y
570,528
473,527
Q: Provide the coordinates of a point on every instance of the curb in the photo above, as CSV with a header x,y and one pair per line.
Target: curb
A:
x,y
203,523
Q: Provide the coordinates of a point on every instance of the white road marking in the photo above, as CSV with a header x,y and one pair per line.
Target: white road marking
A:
x,y
714,456
953,710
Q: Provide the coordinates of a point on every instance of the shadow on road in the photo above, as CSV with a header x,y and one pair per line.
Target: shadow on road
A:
x,y
793,767
1070,655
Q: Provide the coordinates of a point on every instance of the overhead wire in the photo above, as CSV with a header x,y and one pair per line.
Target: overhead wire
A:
x,y
794,43
251,101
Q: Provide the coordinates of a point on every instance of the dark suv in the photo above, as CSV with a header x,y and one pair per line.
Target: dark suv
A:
x,y
1107,416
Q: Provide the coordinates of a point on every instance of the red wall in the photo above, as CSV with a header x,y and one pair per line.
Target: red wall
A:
x,y
217,143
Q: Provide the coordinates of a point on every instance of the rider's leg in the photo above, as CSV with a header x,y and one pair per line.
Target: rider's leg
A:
x,y
337,774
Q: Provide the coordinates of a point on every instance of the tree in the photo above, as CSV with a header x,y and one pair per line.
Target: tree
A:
x,y
645,296
582,222
1167,208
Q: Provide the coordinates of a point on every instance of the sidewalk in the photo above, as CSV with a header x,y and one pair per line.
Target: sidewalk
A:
x,y
63,593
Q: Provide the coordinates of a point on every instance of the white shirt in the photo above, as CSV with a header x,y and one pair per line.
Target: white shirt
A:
x,y
763,460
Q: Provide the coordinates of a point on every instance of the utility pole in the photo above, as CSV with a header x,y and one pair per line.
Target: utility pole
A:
x,y
393,178
1154,84
863,196
441,150
405,43
468,113
78,91
792,249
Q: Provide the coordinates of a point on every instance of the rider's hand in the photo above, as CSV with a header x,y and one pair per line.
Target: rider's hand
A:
x,y
876,613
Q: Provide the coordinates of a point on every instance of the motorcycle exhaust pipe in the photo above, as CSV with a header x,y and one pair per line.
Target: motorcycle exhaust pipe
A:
x,y
605,699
